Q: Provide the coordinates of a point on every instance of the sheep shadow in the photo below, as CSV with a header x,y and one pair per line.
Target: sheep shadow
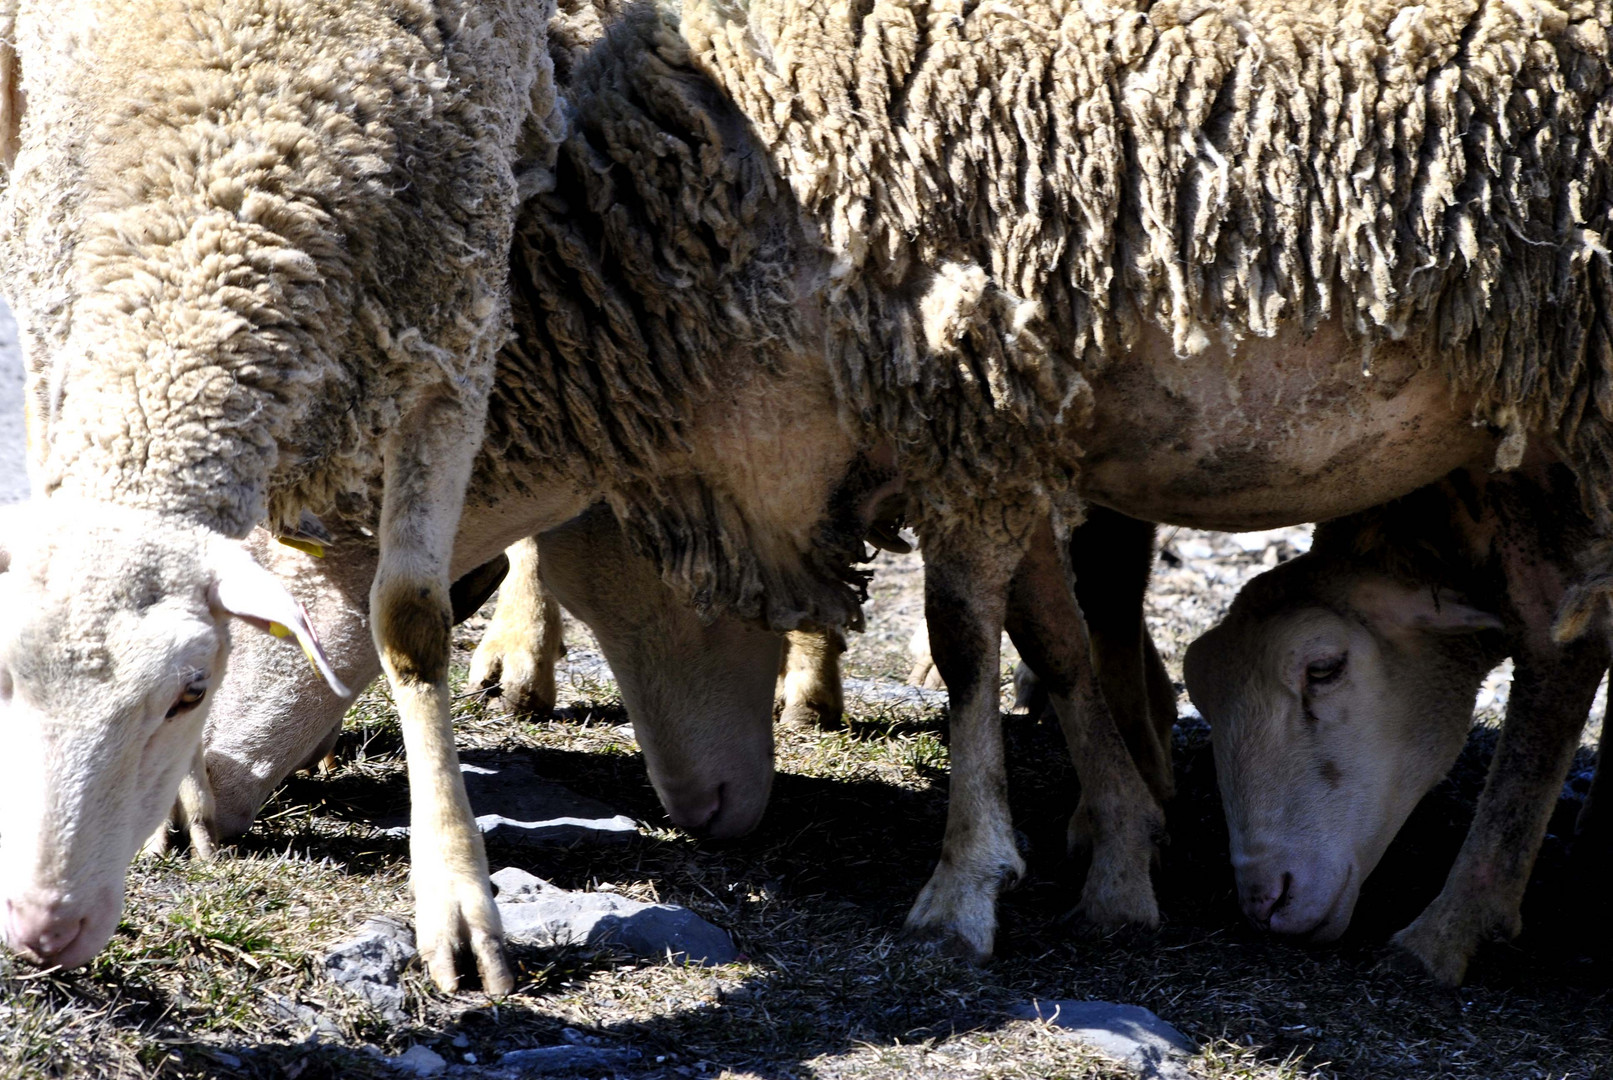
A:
x,y
816,896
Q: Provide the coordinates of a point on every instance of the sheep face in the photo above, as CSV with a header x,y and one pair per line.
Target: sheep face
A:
x,y
118,633
700,693
1335,702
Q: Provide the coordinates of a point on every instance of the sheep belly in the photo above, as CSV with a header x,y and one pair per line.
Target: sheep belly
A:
x,y
1287,430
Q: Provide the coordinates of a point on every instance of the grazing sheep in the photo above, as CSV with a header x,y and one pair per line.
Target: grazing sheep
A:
x,y
1340,689
1233,265
258,254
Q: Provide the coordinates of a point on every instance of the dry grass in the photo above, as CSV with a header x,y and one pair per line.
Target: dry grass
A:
x,y
215,971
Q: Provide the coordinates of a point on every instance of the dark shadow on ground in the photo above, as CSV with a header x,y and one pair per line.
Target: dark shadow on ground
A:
x,y
817,895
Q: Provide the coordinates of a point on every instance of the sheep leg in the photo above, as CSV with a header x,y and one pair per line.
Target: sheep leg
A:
x,y
1117,815
1593,834
1552,688
194,814
425,474
965,600
810,678
923,672
1111,557
523,643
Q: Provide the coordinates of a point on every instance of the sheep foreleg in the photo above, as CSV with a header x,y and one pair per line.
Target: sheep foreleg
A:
x,y
522,644
809,681
965,599
425,477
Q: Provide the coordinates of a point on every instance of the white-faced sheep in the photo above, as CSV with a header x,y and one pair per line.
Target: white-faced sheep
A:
x,y
258,253
1340,689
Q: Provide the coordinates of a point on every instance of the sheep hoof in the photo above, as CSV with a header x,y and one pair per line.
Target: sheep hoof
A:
x,y
526,687
957,911
810,715
453,926
1433,948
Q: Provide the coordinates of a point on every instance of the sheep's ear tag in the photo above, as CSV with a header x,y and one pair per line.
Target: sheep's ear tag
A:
x,y
310,536
312,547
249,592
281,630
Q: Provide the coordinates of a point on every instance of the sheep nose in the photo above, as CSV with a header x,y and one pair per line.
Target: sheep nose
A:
x,y
1263,895
695,812
43,931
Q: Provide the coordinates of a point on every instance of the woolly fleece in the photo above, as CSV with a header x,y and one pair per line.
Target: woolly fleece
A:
x,y
243,240
971,207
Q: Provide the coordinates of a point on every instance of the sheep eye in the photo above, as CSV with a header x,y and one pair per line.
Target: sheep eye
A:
x,y
188,700
1321,672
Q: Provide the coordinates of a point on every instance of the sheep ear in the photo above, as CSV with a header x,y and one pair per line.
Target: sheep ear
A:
x,y
249,592
12,99
1436,610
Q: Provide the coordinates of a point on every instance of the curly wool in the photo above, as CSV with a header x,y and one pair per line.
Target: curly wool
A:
x,y
245,240
972,206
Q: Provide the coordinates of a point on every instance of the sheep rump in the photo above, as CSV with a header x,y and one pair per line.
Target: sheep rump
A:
x,y
970,208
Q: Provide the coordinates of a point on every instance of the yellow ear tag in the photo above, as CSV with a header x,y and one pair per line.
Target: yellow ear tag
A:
x,y
281,630
312,547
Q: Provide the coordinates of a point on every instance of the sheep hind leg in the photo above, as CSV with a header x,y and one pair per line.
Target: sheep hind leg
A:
x,y
809,679
424,483
1552,688
1111,557
965,598
1118,815
523,641
194,816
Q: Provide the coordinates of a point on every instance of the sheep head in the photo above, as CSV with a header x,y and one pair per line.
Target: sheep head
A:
x,y
117,632
1337,697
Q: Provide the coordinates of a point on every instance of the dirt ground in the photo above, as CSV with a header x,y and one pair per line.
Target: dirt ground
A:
x,y
216,969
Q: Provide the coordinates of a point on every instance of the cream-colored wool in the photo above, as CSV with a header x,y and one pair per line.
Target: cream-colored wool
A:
x,y
213,237
970,207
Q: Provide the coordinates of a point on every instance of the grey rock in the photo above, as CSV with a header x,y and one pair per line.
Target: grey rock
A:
x,y
549,1060
517,806
371,964
512,883
648,930
891,692
420,1061
1152,1048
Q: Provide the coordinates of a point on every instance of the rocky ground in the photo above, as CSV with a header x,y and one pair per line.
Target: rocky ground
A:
x,y
644,954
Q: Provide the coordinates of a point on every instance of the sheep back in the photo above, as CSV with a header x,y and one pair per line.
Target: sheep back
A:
x,y
244,240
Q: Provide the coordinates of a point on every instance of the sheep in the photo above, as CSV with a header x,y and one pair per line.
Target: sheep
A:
x,y
1252,265
1340,687
1232,266
258,254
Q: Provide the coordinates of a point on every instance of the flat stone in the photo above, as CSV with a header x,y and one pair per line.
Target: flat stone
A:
x,y
420,1061
541,1060
512,883
371,964
890,692
515,805
1148,1045
652,931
